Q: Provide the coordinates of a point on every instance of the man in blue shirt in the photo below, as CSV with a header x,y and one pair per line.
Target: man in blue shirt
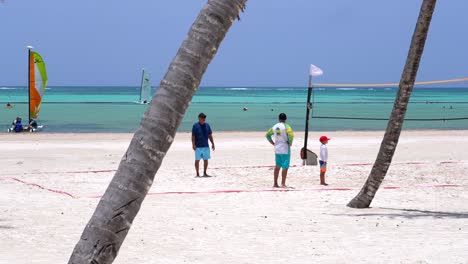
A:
x,y
201,132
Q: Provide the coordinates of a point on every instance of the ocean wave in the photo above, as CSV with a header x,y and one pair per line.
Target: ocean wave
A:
x,y
8,88
346,89
236,88
288,89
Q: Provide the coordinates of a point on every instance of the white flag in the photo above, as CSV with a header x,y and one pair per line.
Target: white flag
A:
x,y
315,71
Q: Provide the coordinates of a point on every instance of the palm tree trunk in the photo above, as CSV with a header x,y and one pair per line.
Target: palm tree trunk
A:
x,y
113,217
395,124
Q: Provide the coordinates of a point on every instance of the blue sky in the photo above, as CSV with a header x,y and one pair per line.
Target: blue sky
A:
x,y
106,42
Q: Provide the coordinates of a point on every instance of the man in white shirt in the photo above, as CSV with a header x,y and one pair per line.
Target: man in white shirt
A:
x,y
323,159
284,136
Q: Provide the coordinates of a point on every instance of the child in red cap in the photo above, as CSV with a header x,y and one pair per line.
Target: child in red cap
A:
x,y
323,159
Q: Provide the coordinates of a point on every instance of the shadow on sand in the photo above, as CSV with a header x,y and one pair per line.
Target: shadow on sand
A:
x,y
410,213
5,226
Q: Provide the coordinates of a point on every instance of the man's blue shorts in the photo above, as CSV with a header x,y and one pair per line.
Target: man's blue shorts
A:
x,y
282,160
202,153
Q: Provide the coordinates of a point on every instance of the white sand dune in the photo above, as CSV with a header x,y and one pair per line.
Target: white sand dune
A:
x,y
49,184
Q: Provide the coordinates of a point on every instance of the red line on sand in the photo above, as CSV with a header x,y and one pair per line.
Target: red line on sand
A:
x,y
70,172
231,191
41,187
271,166
405,163
284,190
235,191
247,191
244,167
439,186
91,171
358,164
241,191
346,164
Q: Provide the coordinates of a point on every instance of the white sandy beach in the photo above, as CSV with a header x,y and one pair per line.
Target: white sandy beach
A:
x,y
49,184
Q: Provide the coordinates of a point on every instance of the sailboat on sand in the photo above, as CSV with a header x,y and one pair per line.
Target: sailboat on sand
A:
x,y
145,88
37,82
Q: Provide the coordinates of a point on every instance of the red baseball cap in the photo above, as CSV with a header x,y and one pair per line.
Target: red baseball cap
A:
x,y
323,138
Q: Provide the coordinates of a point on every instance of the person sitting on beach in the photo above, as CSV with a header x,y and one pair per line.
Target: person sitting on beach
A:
x,y
201,132
283,141
32,124
18,126
14,121
323,159
13,124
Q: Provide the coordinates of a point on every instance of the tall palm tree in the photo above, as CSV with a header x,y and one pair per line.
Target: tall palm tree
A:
x,y
113,217
395,124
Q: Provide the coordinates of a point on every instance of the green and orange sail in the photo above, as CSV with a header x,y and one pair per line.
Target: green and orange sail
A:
x,y
37,83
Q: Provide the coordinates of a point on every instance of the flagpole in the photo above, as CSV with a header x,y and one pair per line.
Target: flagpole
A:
x,y
314,71
308,108
29,82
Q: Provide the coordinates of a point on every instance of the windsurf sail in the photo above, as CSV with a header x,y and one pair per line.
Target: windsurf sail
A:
x,y
37,76
145,89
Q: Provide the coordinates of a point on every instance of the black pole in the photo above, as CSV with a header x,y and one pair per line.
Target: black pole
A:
x,y
308,108
29,84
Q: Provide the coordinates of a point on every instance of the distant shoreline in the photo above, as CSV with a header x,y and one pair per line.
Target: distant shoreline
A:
x,y
296,132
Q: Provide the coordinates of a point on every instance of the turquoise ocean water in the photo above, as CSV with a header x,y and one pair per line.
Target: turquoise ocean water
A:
x,y
112,109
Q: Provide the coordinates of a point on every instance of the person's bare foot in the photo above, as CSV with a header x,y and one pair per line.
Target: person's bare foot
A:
x,y
324,184
206,175
286,187
275,186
